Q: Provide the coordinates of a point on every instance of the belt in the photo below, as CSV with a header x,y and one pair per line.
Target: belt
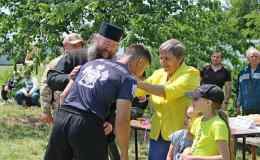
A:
x,y
82,113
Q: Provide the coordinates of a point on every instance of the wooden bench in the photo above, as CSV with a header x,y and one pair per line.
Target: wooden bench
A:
x,y
254,142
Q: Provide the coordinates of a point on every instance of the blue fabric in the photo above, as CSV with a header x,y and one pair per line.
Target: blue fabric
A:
x,y
28,84
35,98
98,85
180,142
21,99
158,149
249,89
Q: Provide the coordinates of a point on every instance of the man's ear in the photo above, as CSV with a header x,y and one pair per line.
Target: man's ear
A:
x,y
180,61
209,102
131,65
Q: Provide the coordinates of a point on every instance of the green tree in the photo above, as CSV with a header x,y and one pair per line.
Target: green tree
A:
x,y
246,17
203,26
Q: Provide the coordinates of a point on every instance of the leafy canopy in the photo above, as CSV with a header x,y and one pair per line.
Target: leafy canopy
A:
x,y
203,26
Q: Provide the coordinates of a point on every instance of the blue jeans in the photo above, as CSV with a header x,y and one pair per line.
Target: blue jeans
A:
x,y
158,149
21,99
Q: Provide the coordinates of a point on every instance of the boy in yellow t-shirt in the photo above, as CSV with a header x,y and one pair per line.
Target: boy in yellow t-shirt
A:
x,y
211,131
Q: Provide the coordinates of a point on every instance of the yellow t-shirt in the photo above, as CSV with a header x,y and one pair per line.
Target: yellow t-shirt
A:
x,y
168,115
206,134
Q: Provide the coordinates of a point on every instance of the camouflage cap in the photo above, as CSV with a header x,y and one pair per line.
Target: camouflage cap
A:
x,y
73,38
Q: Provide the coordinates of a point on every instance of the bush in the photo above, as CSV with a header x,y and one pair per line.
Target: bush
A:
x,y
6,72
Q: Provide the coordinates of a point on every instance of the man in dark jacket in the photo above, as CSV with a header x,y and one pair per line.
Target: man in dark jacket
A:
x,y
249,85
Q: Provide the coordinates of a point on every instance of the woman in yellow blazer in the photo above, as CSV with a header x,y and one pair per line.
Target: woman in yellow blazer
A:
x,y
167,88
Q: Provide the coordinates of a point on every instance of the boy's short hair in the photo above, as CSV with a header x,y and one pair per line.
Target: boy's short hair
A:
x,y
137,51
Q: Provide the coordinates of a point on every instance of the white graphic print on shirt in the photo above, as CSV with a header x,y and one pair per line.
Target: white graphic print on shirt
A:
x,y
91,75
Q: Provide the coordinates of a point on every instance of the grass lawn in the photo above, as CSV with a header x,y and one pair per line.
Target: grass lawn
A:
x,y
23,137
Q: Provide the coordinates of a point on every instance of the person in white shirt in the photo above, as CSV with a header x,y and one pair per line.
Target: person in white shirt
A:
x,y
29,94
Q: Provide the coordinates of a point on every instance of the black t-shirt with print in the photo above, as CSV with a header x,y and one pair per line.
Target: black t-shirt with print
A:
x,y
219,77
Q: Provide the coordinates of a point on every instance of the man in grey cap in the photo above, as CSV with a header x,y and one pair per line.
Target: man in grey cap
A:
x,y
72,41
49,99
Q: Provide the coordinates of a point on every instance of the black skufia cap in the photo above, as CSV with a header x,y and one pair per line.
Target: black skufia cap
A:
x,y
111,31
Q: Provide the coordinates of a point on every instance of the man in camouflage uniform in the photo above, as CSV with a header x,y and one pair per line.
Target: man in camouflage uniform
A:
x,y
49,99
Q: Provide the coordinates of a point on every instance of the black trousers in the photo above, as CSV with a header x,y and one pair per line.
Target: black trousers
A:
x,y
76,135
113,152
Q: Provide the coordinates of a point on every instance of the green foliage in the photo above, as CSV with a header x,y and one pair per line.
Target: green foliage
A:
x,y
203,26
6,72
247,15
253,24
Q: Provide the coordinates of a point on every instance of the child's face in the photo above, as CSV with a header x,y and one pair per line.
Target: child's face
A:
x,y
190,115
201,105
187,121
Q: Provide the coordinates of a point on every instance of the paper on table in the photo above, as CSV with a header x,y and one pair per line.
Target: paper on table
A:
x,y
256,118
242,123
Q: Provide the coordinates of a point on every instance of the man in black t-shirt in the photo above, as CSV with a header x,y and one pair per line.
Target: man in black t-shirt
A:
x,y
216,73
